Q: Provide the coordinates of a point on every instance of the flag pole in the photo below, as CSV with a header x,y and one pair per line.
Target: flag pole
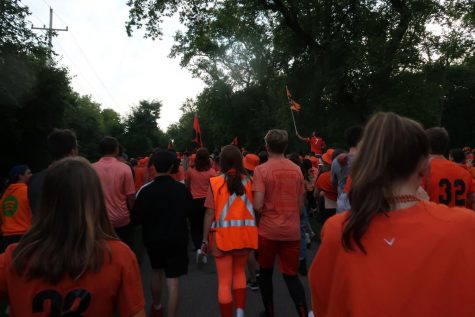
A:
x,y
293,119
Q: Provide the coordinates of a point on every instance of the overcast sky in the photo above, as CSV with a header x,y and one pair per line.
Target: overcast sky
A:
x,y
116,70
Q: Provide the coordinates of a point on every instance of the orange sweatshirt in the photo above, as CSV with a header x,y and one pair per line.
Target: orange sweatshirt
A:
x,y
420,262
15,210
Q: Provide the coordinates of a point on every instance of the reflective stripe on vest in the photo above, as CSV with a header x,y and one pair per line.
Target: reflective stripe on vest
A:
x,y
222,223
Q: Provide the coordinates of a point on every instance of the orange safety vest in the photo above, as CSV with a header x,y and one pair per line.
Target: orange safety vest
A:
x,y
234,222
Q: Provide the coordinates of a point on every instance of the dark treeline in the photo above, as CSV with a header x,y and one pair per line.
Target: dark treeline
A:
x,y
342,61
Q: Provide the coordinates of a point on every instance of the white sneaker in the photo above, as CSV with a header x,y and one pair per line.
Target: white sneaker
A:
x,y
200,257
240,312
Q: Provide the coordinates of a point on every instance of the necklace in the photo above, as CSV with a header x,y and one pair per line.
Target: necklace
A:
x,y
402,199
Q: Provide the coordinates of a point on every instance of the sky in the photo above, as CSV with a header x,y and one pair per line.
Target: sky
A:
x,y
116,70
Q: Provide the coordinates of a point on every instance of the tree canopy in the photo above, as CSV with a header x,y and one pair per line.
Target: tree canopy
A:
x,y
342,60
36,97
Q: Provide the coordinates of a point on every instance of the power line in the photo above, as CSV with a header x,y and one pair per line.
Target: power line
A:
x,y
76,42
92,68
78,69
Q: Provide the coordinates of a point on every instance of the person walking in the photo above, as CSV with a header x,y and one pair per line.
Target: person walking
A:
x,y
447,182
197,181
393,254
70,263
14,207
161,208
229,230
341,166
118,187
61,143
279,194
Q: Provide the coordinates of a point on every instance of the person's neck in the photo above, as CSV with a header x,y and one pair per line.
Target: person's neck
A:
x,y
163,174
352,150
110,155
276,155
408,188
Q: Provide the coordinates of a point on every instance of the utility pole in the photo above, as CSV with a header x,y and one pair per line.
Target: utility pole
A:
x,y
49,32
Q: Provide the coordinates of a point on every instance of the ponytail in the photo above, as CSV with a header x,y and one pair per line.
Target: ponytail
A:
x,y
234,182
380,163
232,166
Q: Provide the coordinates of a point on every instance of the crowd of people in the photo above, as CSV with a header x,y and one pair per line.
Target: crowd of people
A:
x,y
397,217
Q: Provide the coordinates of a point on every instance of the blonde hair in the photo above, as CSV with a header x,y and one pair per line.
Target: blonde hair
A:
x,y
277,140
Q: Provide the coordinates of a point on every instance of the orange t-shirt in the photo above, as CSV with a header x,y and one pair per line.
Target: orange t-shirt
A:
x,y
420,262
282,183
199,181
139,177
448,183
316,144
116,286
324,184
15,209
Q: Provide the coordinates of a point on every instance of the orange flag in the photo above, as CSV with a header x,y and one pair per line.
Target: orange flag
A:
x,y
293,105
197,133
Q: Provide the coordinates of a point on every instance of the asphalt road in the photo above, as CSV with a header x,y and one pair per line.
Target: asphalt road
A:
x,y
198,291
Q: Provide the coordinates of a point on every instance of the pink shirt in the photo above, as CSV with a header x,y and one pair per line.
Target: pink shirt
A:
x,y
117,183
199,181
282,183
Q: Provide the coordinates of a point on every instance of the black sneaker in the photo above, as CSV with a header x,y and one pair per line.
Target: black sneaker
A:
x,y
253,286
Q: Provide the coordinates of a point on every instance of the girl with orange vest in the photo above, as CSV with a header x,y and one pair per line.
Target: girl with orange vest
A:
x,y
229,230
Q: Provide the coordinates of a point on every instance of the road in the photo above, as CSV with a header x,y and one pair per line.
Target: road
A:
x,y
198,291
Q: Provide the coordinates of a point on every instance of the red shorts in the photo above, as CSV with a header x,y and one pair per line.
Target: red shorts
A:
x,y
288,252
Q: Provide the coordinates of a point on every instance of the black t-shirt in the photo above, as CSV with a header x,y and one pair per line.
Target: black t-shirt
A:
x,y
35,189
162,207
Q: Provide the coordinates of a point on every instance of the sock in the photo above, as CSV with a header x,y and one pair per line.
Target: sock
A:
x,y
226,309
239,312
240,297
297,293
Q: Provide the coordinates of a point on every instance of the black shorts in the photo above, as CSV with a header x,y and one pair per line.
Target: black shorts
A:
x,y
172,259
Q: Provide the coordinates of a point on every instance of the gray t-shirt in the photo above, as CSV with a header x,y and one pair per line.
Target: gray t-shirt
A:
x,y
340,172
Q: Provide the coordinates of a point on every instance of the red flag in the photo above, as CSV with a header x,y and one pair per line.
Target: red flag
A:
x,y
235,141
197,133
293,105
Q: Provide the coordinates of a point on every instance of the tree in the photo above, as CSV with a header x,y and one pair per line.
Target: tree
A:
x,y
181,132
343,59
35,95
112,122
142,134
83,115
